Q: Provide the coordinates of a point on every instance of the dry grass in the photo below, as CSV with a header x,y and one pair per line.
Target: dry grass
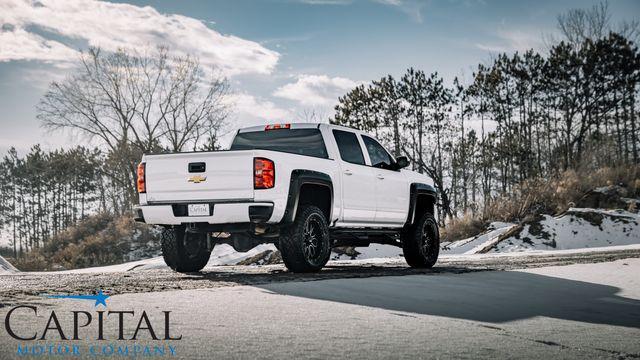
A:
x,y
101,239
544,196
462,227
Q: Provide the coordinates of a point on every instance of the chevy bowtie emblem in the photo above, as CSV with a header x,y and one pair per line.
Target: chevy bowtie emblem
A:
x,y
197,179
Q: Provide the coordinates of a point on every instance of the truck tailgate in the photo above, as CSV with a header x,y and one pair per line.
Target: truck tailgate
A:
x,y
228,175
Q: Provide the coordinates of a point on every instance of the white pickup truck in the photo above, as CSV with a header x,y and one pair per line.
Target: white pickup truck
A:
x,y
304,187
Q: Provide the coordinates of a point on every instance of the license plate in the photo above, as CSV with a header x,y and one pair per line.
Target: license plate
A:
x,y
198,209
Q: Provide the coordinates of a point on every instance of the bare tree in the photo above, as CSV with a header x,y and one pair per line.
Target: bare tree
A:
x,y
577,25
312,115
138,102
630,30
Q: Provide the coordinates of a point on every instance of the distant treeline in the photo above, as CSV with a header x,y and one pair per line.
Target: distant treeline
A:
x,y
42,193
572,107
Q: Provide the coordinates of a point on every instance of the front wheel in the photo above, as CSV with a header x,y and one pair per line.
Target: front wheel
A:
x,y
305,245
184,251
421,242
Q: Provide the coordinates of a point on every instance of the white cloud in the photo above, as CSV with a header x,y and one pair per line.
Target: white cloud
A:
x,y
112,26
314,90
19,44
246,104
492,48
513,40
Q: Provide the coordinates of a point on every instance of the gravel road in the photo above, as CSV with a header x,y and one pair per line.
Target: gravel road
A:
x,y
28,286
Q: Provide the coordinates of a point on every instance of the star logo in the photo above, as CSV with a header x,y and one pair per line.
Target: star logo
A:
x,y
100,298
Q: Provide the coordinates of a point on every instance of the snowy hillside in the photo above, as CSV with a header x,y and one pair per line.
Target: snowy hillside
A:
x,y
6,267
478,243
575,229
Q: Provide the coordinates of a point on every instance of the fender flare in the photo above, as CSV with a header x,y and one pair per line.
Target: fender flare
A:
x,y
300,177
419,189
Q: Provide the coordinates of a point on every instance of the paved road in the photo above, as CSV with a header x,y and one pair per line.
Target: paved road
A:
x,y
29,286
463,311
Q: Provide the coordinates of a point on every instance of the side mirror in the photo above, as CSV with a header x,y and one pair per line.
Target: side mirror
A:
x,y
402,162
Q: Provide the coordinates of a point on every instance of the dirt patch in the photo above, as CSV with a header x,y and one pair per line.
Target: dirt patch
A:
x,y
348,251
537,229
592,217
607,197
596,218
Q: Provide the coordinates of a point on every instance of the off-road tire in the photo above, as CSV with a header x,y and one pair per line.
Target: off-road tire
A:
x,y
182,259
413,242
295,241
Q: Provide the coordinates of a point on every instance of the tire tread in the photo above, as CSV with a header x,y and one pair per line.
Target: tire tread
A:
x,y
174,255
411,244
290,241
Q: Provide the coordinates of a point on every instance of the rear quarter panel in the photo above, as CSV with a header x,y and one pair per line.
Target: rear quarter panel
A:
x,y
285,164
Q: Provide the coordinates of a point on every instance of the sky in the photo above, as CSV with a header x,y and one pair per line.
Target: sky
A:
x,y
283,58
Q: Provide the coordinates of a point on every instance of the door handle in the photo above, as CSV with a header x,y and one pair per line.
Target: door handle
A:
x,y
348,172
379,176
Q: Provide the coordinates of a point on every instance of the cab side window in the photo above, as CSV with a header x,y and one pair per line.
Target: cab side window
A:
x,y
380,158
349,147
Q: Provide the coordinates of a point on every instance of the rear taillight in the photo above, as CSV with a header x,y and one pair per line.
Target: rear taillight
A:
x,y
141,181
264,173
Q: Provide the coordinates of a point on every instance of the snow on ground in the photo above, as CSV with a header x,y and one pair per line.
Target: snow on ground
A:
x,y
6,267
534,253
222,254
370,252
399,260
575,229
391,259
479,242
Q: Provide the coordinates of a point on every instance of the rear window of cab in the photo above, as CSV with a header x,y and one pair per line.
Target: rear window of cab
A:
x,y
307,142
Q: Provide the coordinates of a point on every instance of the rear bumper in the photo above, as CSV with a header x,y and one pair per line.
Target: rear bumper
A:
x,y
222,213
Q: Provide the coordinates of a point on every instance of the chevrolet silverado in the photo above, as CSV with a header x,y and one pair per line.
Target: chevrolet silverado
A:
x,y
306,188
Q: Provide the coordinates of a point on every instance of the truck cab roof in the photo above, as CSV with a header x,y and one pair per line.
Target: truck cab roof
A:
x,y
309,125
